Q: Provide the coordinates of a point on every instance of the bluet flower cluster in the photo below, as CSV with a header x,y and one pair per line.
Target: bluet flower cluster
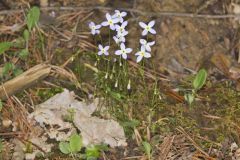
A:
x,y
117,23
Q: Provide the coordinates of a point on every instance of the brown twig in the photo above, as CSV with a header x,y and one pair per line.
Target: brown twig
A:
x,y
151,14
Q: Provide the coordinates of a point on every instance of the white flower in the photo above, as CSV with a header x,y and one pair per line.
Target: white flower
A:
x,y
142,53
122,27
123,51
120,37
110,21
119,15
94,28
147,27
117,39
103,50
147,45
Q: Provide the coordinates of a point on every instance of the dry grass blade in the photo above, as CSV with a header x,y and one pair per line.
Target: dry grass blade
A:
x,y
64,73
181,130
165,147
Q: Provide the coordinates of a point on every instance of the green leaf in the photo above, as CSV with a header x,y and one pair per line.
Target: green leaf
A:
x,y
64,147
26,35
200,79
23,54
4,46
17,71
33,17
92,152
189,98
147,149
7,68
75,143
1,105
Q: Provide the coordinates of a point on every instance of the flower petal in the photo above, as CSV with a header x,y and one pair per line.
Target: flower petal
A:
x,y
148,48
139,58
151,43
106,53
144,33
93,32
116,39
151,24
124,24
100,47
121,19
124,55
118,52
100,53
122,46
143,41
98,26
116,20
112,27
106,48
128,50
91,24
152,31
143,25
143,49
108,16
105,23
123,14
147,55
97,31
117,27
138,53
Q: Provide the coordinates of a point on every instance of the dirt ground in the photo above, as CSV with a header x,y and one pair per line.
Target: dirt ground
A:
x,y
185,43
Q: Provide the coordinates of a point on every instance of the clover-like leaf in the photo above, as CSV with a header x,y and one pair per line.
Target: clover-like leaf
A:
x,y
64,147
75,143
147,149
200,79
4,46
33,17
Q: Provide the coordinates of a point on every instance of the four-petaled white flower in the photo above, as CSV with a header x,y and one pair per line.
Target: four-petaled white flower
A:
x,y
103,50
121,33
120,37
123,51
122,27
94,28
110,22
147,45
142,53
147,27
119,15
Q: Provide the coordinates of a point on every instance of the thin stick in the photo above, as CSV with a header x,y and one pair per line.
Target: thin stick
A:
x,y
151,14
